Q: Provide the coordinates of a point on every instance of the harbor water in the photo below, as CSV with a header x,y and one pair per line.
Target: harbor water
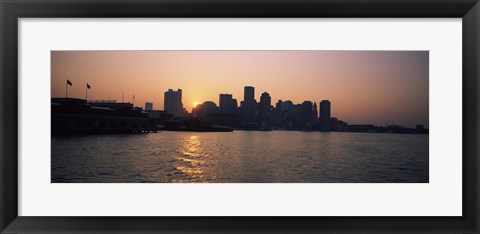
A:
x,y
241,157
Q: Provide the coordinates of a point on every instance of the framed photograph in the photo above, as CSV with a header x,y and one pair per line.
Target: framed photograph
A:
x,y
227,116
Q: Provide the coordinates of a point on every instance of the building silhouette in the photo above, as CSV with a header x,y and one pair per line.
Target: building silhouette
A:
x,y
306,114
338,125
148,106
315,113
210,113
227,104
71,116
79,116
287,106
295,116
249,93
264,110
201,110
249,108
233,120
288,110
277,115
325,125
173,103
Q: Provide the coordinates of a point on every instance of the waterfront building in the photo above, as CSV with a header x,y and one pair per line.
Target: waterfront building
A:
x,y
105,103
157,118
148,106
338,125
156,114
277,115
325,116
249,107
315,113
71,116
287,106
227,104
278,105
306,114
249,93
173,103
209,113
235,105
296,115
233,120
201,110
264,110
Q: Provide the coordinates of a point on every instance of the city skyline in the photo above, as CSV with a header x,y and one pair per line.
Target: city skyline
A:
x,y
386,86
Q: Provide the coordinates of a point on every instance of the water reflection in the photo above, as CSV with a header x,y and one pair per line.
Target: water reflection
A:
x,y
191,158
241,157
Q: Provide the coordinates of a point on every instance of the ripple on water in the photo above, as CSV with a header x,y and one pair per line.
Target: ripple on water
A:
x,y
278,156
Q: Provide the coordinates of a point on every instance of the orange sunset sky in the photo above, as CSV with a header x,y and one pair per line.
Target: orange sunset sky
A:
x,y
364,87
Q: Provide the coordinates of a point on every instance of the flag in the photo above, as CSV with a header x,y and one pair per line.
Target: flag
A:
x,y
88,86
69,83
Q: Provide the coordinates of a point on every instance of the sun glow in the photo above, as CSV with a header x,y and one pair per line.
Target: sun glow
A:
x,y
195,104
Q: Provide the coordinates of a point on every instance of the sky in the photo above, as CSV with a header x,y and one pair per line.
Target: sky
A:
x,y
364,87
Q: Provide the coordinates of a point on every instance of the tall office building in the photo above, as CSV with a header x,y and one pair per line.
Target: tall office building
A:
x,y
249,107
148,106
235,105
287,106
173,102
249,93
227,103
264,108
315,113
306,114
277,114
325,116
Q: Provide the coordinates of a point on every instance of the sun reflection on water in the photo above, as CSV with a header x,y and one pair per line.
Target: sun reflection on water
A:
x,y
191,159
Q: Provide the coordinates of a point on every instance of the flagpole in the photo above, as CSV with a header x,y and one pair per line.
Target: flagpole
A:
x,y
66,88
86,93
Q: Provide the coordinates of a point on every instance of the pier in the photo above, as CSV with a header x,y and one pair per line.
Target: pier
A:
x,y
72,116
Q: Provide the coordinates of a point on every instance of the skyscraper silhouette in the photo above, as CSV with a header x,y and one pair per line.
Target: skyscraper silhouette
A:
x,y
306,114
325,116
315,113
249,107
227,104
264,110
173,102
249,93
148,106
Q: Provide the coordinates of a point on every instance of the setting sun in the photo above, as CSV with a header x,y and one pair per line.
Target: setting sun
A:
x,y
195,104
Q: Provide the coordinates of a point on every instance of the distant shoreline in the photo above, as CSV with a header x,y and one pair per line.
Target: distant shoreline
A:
x,y
235,130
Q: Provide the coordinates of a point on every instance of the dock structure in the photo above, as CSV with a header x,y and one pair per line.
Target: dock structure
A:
x,y
72,116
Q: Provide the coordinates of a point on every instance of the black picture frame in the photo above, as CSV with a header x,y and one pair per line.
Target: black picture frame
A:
x,y
11,11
